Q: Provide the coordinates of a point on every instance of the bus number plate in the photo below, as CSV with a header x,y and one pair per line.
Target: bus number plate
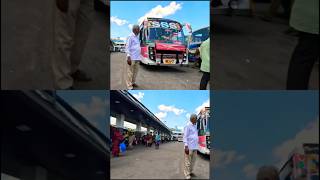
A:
x,y
169,61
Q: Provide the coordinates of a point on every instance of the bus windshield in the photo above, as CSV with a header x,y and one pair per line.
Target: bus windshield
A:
x,y
200,35
164,31
166,36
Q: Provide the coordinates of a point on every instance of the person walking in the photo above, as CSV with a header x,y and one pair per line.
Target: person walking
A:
x,y
305,19
190,140
117,138
131,139
72,24
133,51
157,139
205,64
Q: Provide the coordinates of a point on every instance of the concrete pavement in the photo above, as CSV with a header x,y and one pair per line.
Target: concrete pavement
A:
x,y
27,42
149,163
249,53
154,77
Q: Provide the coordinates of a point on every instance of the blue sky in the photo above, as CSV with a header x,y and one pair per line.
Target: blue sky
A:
x,y
92,104
252,129
124,13
172,106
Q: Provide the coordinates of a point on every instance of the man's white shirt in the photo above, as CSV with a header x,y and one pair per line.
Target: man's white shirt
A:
x,y
190,136
133,48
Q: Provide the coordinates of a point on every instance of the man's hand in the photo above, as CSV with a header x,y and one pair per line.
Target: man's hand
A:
x,y
63,5
186,150
129,60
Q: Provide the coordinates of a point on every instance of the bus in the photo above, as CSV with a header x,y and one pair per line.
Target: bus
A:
x,y
118,45
197,38
163,42
204,130
180,138
177,136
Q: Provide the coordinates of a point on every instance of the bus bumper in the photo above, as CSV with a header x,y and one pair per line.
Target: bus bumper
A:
x,y
147,61
204,150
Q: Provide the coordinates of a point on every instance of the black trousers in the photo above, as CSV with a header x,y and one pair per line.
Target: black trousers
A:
x,y
301,64
204,80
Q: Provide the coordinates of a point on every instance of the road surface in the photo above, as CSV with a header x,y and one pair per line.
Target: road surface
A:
x,y
149,163
154,77
249,53
27,43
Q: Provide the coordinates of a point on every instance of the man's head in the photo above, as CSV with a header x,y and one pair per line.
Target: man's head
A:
x,y
268,173
193,118
135,29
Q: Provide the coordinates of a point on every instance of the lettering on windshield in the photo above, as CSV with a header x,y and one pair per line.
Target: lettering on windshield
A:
x,y
164,24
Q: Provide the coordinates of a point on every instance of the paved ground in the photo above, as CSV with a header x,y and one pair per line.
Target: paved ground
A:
x,y
26,47
249,53
149,163
154,77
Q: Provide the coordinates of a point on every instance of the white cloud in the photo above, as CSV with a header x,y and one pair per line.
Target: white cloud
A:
x,y
173,109
96,107
161,115
223,158
139,96
188,116
118,21
250,170
203,105
180,127
310,134
160,12
130,26
123,38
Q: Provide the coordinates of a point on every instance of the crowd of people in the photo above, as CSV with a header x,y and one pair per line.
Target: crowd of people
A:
x,y
131,139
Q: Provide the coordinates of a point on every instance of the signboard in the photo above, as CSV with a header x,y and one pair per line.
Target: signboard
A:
x,y
164,24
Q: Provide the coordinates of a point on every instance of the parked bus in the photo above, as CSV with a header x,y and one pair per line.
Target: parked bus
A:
x,y
204,130
197,38
119,45
180,137
162,42
177,136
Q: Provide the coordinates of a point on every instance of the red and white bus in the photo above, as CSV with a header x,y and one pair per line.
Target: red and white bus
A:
x,y
204,130
163,42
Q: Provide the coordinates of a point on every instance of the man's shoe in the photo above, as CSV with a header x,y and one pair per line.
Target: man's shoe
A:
x,y
134,85
192,174
80,75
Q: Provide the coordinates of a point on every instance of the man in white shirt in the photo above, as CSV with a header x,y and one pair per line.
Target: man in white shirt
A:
x,y
133,51
190,140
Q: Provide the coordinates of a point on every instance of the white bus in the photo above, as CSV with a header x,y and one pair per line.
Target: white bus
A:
x,y
177,136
